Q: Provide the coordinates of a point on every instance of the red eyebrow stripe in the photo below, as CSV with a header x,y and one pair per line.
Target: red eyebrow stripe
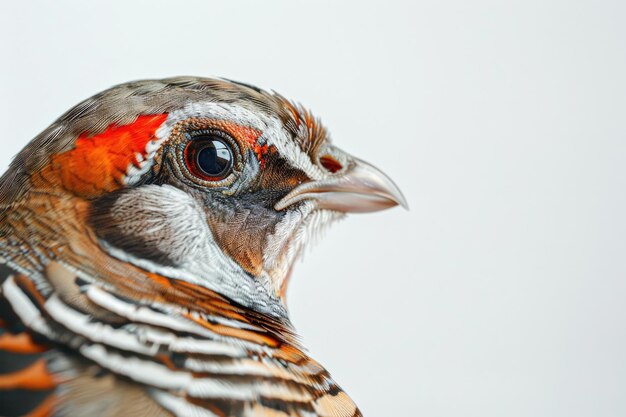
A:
x,y
98,163
248,135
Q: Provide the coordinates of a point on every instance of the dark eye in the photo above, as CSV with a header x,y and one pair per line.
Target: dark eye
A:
x,y
209,157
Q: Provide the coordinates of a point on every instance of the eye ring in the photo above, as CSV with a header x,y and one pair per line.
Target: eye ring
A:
x,y
209,155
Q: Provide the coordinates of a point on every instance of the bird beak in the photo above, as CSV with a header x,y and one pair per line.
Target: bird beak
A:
x,y
360,188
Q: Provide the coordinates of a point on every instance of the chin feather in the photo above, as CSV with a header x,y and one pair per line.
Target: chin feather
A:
x,y
301,229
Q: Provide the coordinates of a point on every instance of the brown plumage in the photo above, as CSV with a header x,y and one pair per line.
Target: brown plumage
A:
x,y
148,236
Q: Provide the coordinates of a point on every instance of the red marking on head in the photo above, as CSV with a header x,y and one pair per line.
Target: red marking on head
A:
x,y
98,163
261,153
330,163
248,136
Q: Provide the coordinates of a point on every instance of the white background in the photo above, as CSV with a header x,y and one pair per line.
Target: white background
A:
x,y
502,291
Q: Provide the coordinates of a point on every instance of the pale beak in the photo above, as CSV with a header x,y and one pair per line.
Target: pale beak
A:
x,y
360,188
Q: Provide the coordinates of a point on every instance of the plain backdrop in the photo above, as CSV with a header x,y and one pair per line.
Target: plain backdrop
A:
x,y
502,291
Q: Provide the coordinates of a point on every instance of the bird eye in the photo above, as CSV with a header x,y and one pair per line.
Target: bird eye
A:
x,y
209,157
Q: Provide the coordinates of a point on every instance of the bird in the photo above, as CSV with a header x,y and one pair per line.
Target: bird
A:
x,y
147,240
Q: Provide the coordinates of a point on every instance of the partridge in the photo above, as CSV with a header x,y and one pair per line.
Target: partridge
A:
x,y
147,239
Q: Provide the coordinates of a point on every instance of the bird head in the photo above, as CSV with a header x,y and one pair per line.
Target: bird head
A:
x,y
151,230
208,181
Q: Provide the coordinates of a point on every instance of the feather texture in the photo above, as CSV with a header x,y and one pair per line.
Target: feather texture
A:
x,y
132,286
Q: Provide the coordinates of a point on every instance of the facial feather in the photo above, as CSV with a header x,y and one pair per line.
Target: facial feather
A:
x,y
153,229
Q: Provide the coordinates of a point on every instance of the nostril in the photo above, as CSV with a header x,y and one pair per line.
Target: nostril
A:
x,y
330,163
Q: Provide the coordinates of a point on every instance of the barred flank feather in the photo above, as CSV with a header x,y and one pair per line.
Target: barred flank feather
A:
x,y
183,362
